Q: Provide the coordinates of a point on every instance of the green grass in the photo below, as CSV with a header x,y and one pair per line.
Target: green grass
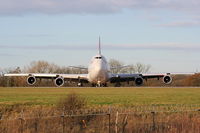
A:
x,y
101,96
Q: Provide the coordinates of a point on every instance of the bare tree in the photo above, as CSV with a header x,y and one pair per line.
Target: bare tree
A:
x,y
71,70
41,67
46,67
115,65
142,68
12,81
118,67
129,69
193,80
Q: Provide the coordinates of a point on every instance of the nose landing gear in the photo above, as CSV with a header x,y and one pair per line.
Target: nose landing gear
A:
x,y
79,84
99,84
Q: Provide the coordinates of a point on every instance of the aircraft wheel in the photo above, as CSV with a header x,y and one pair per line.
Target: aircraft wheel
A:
x,y
118,84
79,84
104,85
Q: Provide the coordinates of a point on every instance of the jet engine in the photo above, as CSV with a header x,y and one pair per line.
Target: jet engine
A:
x,y
167,79
139,81
59,81
31,80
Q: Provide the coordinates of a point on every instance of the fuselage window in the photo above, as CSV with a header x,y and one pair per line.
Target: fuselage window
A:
x,y
97,57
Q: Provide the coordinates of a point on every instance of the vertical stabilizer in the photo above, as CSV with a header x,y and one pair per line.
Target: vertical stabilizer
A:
x,y
99,45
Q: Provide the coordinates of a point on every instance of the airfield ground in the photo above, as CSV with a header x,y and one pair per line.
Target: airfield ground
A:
x,y
96,118
123,96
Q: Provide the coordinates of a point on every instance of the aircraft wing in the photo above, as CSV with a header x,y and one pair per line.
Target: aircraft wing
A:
x,y
150,76
79,67
31,77
123,77
119,67
47,75
138,78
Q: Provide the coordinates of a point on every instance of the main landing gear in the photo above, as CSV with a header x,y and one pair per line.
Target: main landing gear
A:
x,y
99,85
118,84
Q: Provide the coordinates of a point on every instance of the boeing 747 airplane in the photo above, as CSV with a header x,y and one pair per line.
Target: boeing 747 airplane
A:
x,y
98,75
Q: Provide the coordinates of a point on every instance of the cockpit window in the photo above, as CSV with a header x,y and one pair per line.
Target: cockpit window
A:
x,y
97,57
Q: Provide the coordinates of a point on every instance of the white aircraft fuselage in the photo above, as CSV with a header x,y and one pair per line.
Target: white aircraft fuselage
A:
x,y
98,70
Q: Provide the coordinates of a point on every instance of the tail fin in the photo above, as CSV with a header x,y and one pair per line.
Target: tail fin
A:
x,y
99,45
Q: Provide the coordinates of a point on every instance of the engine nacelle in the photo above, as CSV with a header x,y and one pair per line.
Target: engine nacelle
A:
x,y
139,81
59,81
31,80
167,79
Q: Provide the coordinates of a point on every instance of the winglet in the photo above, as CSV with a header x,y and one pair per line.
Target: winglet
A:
x,y
99,45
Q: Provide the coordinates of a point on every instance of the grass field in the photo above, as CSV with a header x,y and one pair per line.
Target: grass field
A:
x,y
101,96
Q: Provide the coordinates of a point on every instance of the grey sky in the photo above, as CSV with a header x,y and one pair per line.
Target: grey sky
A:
x,y
163,33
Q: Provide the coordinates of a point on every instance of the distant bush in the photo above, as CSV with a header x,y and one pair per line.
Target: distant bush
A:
x,y
72,102
193,80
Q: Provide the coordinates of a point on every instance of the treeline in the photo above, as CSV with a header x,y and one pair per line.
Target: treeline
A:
x,y
115,65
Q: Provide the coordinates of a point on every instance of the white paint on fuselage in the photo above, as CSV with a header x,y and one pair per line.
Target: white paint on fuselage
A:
x,y
98,70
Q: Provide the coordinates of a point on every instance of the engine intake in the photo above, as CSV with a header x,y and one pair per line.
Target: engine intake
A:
x,y
167,79
59,81
31,80
139,81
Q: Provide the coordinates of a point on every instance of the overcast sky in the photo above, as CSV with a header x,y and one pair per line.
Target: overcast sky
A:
x,y
162,33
